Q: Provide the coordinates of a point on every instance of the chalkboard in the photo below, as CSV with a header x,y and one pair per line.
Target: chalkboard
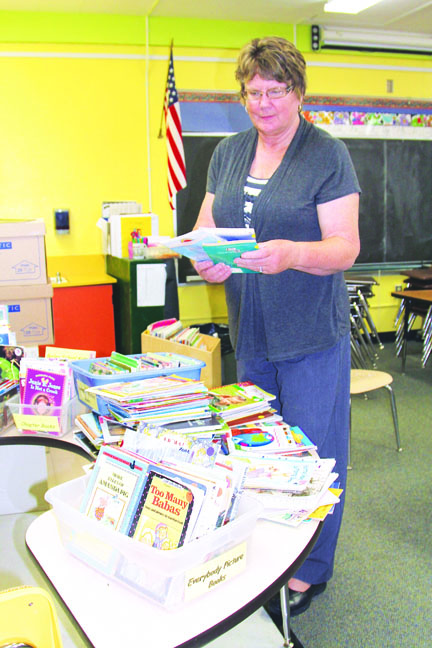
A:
x,y
198,151
396,201
395,204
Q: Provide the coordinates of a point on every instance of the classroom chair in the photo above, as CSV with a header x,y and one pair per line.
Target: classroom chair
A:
x,y
367,380
28,618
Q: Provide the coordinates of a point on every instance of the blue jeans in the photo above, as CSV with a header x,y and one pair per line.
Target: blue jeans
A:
x,y
312,391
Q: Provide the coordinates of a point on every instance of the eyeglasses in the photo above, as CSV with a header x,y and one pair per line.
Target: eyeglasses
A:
x,y
271,93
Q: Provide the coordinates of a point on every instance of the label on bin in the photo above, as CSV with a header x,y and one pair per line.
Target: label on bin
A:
x,y
85,396
37,423
209,575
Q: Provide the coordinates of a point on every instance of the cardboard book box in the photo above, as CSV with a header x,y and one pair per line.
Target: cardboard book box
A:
x,y
22,252
209,352
30,312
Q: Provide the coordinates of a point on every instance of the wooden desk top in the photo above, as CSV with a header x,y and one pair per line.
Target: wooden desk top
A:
x,y
419,274
420,295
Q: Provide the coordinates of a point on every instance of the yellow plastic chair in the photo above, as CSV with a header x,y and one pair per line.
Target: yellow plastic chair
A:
x,y
367,380
28,618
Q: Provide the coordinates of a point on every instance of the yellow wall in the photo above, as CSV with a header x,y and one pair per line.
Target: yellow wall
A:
x,y
75,129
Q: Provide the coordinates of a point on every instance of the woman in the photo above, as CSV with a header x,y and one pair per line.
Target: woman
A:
x,y
289,321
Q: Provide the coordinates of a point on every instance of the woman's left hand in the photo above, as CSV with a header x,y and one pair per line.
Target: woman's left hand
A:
x,y
270,258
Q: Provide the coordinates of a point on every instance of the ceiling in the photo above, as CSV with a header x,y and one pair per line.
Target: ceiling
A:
x,y
413,16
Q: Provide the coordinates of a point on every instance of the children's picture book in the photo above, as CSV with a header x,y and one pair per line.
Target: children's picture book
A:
x,y
263,438
162,444
207,424
191,244
309,498
88,423
113,487
286,474
164,512
231,401
85,443
43,390
227,252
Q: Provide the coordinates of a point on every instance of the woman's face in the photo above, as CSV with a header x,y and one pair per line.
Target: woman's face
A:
x,y
271,116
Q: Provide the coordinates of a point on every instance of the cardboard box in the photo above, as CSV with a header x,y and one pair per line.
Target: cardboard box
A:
x,y
22,252
30,312
211,374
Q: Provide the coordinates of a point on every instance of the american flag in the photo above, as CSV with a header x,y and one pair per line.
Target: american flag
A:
x,y
176,159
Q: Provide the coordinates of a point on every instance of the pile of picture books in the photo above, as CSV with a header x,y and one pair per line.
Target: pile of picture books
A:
x,y
179,424
118,363
161,504
157,400
217,244
174,331
242,402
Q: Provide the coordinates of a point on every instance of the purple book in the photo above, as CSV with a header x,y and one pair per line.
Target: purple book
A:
x,y
44,392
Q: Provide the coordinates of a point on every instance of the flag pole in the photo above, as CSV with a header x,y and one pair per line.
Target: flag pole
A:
x,y
165,91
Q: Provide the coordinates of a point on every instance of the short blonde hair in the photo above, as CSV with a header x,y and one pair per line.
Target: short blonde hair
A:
x,y
275,58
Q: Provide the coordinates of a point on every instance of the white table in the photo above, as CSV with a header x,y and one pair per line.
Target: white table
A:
x,y
111,615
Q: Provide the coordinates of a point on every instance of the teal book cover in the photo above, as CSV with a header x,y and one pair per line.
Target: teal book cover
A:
x,y
227,251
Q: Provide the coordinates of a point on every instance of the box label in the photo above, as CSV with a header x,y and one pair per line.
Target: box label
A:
x,y
37,423
209,575
14,308
5,245
86,397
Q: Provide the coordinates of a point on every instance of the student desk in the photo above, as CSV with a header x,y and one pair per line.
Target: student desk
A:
x,y
413,299
111,615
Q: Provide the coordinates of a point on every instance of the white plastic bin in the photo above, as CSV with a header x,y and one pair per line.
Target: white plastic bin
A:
x,y
56,422
164,577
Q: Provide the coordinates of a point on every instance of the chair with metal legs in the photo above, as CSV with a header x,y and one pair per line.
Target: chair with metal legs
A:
x,y
364,381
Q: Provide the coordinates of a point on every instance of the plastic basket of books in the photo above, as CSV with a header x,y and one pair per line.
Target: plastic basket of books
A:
x,y
169,578
44,419
121,368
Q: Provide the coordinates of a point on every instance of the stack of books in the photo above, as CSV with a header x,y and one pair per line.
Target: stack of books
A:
x,y
160,399
162,505
117,363
217,244
174,330
242,402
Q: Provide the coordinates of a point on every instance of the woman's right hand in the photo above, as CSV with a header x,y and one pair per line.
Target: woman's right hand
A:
x,y
213,273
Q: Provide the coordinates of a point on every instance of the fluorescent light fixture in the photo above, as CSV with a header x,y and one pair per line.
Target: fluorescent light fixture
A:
x,y
349,6
340,37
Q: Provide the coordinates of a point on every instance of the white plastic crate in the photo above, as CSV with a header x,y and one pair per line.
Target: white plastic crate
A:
x,y
55,422
168,578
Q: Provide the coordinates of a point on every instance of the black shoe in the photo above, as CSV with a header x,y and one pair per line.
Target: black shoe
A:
x,y
298,602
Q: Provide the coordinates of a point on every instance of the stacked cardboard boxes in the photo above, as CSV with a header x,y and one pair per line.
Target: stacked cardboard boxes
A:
x,y
24,286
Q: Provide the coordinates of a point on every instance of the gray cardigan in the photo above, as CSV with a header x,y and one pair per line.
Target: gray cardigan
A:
x,y
292,313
